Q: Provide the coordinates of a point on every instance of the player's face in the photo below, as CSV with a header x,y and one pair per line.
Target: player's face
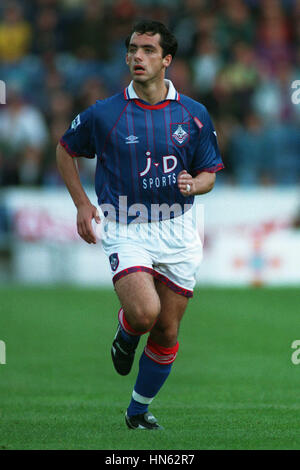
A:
x,y
145,57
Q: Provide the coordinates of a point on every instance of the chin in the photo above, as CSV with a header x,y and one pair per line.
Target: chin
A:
x,y
139,79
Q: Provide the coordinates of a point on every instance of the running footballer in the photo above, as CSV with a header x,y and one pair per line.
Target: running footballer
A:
x,y
155,149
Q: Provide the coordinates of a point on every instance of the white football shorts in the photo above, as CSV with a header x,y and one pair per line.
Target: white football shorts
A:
x,y
170,250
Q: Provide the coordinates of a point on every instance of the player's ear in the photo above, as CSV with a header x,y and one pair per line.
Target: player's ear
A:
x,y
167,60
126,59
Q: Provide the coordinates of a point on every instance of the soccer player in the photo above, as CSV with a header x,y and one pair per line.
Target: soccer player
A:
x,y
156,149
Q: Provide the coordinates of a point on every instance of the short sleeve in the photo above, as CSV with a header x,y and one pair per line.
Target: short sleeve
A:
x,y
207,155
78,139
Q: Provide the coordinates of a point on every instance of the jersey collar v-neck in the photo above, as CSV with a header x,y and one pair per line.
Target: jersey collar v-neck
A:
x,y
130,94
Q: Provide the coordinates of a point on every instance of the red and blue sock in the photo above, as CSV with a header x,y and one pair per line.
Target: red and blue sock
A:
x,y
154,368
128,333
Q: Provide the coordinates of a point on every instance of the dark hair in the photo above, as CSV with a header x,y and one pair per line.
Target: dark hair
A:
x,y
168,42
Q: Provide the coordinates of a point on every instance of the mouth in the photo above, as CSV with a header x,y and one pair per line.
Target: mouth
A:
x,y
138,69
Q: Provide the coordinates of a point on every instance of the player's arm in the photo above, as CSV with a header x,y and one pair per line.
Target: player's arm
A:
x,y
86,211
201,184
206,159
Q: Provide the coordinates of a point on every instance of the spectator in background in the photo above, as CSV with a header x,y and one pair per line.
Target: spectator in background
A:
x,y
273,37
265,154
48,34
206,25
92,89
248,152
15,34
180,74
123,11
240,77
296,23
234,85
50,175
272,98
206,64
283,141
48,80
60,106
88,34
235,24
185,26
238,57
23,135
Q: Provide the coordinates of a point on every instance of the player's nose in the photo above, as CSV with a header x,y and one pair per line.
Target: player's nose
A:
x,y
138,56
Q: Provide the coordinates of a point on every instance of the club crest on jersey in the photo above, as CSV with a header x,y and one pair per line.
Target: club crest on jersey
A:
x,y
180,133
114,261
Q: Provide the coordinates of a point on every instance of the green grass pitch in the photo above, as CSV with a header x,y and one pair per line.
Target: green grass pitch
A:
x,y
233,384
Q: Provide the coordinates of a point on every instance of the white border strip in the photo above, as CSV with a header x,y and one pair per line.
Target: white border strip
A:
x,y
139,398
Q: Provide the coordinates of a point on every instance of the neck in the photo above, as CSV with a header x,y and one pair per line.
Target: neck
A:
x,y
152,93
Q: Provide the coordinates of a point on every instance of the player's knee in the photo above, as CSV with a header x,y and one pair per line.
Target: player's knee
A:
x,y
166,334
170,336
144,317
143,324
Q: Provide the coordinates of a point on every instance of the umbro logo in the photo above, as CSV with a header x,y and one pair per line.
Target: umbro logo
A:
x,y
132,139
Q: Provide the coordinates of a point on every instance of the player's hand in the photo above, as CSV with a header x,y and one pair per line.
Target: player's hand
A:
x,y
85,214
185,183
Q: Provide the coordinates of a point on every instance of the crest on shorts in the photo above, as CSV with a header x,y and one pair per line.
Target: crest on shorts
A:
x,y
114,261
180,133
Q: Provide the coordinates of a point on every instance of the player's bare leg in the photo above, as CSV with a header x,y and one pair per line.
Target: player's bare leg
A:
x,y
173,306
157,358
140,309
139,299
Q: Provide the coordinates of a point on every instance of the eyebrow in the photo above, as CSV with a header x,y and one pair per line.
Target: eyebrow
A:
x,y
151,46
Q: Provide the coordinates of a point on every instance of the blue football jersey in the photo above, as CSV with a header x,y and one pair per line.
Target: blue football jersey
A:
x,y
141,148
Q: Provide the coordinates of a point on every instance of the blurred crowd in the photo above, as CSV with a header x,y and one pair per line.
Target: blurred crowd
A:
x,y
238,57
